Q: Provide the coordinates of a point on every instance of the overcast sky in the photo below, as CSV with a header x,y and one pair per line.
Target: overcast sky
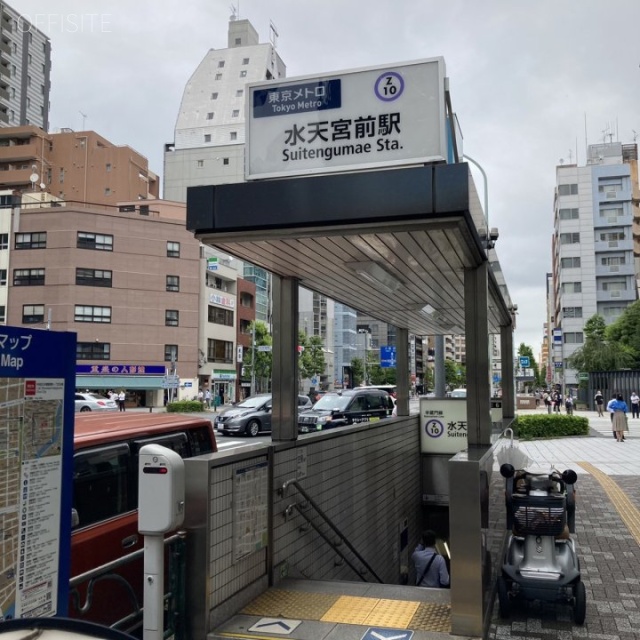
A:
x,y
531,83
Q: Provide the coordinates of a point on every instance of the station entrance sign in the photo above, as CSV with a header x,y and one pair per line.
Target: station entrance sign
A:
x,y
364,118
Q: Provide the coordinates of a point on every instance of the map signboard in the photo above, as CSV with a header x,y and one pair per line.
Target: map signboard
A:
x,y
37,384
375,117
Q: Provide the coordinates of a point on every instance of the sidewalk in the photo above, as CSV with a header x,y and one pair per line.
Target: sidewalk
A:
x,y
607,536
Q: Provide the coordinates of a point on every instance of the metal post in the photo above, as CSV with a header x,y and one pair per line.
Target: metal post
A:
x,y
486,189
253,359
153,627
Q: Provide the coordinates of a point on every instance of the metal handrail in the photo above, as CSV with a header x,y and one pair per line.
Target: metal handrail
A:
x,y
333,527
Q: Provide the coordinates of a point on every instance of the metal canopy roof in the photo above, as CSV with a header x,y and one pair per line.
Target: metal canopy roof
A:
x,y
393,244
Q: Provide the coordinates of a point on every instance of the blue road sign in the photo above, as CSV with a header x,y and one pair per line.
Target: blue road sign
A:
x,y
387,357
524,362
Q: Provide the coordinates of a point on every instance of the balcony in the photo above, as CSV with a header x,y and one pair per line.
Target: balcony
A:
x,y
15,176
5,47
19,153
627,295
614,270
4,70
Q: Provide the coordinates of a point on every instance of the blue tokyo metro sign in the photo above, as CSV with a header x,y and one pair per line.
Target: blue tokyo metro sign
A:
x,y
387,357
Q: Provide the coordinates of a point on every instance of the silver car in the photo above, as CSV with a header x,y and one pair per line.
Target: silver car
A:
x,y
94,402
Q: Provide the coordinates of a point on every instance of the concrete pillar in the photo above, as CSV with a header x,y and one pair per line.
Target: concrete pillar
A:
x,y
508,382
284,416
477,349
402,371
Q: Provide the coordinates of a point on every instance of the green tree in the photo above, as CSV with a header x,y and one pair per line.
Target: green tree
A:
x,y
262,360
602,350
626,332
526,351
357,371
311,361
381,375
455,374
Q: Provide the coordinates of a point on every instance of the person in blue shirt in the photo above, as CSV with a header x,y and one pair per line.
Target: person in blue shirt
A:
x,y
619,408
431,568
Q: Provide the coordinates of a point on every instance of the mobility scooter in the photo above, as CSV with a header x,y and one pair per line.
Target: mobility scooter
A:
x,y
540,560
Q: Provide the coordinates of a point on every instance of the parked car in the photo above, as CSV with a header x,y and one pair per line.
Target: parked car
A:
x,y
251,416
94,402
104,515
346,407
458,393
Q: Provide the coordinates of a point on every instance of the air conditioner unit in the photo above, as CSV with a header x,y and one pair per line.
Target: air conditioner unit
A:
x,y
612,220
615,294
613,243
614,267
610,194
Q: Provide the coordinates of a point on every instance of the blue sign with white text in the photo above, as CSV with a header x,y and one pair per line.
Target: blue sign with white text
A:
x,y
297,98
524,361
387,357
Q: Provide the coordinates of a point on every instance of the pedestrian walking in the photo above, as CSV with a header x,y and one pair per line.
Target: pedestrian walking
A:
x,y
121,399
610,410
599,400
635,405
547,401
207,398
619,420
568,405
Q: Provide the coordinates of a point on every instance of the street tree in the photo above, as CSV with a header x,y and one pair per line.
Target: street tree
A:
x,y
259,362
311,362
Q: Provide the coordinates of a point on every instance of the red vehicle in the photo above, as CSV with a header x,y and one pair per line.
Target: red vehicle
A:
x,y
105,499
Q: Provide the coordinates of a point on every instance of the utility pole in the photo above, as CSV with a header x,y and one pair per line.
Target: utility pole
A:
x,y
253,359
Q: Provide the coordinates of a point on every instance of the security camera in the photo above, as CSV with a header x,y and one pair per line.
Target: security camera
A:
x,y
493,234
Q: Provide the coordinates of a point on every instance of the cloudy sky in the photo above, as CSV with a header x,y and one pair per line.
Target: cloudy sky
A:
x,y
531,82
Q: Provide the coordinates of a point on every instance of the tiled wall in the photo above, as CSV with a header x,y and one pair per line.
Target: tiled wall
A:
x,y
366,479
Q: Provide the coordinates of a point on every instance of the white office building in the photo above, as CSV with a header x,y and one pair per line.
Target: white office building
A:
x,y
593,247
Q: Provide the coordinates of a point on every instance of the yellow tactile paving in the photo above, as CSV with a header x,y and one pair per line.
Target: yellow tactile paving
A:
x,y
375,612
279,603
350,610
628,511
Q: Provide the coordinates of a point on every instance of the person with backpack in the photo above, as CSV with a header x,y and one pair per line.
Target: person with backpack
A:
x,y
431,568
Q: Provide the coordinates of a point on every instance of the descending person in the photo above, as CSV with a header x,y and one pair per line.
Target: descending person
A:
x,y
431,568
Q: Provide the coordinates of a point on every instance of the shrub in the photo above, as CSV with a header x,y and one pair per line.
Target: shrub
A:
x,y
185,406
549,425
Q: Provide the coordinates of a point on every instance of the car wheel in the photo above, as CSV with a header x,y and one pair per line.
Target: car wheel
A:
x,y
83,409
503,598
253,428
580,604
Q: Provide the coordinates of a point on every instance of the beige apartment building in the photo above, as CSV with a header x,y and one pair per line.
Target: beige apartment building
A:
x,y
76,166
126,279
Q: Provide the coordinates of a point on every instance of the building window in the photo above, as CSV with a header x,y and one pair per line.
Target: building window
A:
x,y
210,115
567,189
572,312
220,64
245,60
246,300
243,73
207,137
221,316
568,214
219,351
612,261
225,161
31,240
612,312
93,351
570,263
173,249
28,277
238,41
32,313
612,236
611,214
218,76
171,317
93,277
233,135
4,240
85,313
108,167
107,191
96,241
572,337
3,313
569,238
235,113
171,352
571,287
214,95
28,80
239,93
200,163
615,285
173,283
3,277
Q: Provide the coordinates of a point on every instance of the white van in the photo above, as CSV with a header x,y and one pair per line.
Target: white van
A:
x,y
459,393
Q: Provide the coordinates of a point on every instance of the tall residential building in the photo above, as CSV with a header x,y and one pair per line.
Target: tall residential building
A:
x,y
78,166
593,247
209,136
25,71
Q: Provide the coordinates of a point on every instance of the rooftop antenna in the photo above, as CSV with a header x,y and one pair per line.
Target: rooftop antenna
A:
x,y
570,156
273,34
84,117
235,12
635,135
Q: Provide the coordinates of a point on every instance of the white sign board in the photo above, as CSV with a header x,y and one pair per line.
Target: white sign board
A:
x,y
443,425
376,117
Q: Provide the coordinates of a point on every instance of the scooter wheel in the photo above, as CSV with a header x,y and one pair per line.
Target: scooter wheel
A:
x,y
503,598
580,604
